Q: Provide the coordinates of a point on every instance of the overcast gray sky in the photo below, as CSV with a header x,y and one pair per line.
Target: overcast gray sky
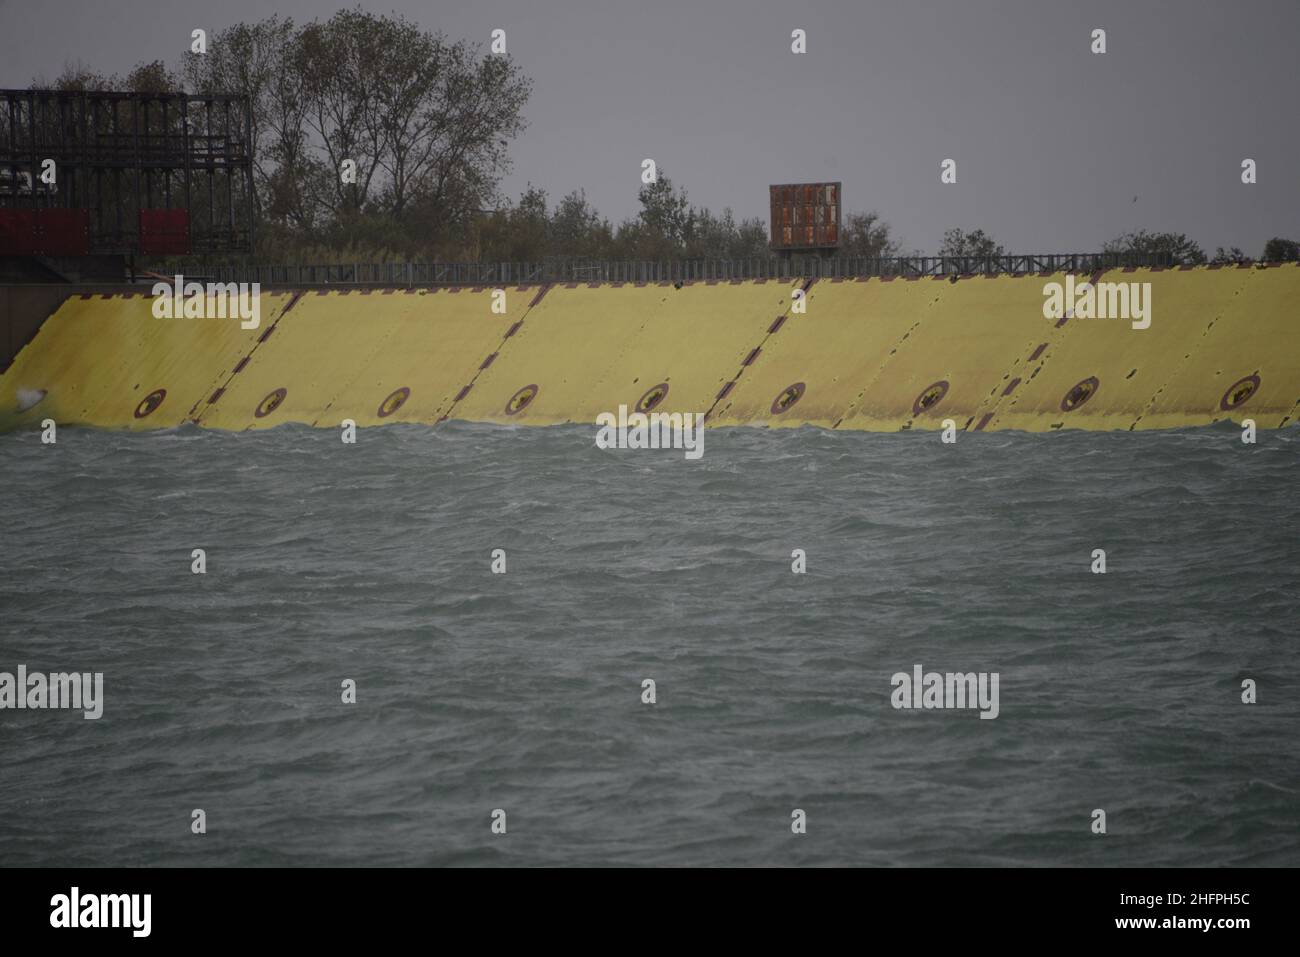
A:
x,y
1052,142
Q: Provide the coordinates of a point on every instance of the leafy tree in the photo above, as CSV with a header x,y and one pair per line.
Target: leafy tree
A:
x,y
867,235
750,241
577,229
1281,250
975,243
154,77
711,236
665,221
1233,255
516,232
1143,244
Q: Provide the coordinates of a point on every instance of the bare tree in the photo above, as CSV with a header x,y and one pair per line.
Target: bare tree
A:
x,y
426,122
335,84
258,61
476,112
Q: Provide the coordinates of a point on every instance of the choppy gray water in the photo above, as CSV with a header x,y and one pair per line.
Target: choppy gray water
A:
x,y
523,691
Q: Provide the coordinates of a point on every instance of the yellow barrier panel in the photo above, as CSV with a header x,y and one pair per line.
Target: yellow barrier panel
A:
x,y
816,366
106,361
1102,373
965,352
374,357
586,350
1247,365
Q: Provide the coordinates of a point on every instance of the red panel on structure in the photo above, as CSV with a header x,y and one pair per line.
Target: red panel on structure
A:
x,y
62,232
17,232
165,232
44,232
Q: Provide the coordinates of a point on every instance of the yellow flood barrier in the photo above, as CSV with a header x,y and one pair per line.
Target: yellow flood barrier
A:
x,y
105,360
1103,373
817,365
371,356
878,354
587,349
1247,365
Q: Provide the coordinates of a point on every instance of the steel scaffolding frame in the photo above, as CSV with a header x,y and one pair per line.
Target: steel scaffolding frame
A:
x,y
116,154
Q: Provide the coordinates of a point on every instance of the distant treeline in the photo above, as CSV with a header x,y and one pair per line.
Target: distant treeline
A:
x,y
378,141
1142,244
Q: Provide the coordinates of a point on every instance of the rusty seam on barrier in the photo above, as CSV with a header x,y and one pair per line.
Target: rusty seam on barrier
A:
x,y
853,404
771,331
1010,398
514,328
293,301
1173,374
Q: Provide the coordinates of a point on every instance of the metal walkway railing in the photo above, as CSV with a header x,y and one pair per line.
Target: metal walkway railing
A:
x,y
578,270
